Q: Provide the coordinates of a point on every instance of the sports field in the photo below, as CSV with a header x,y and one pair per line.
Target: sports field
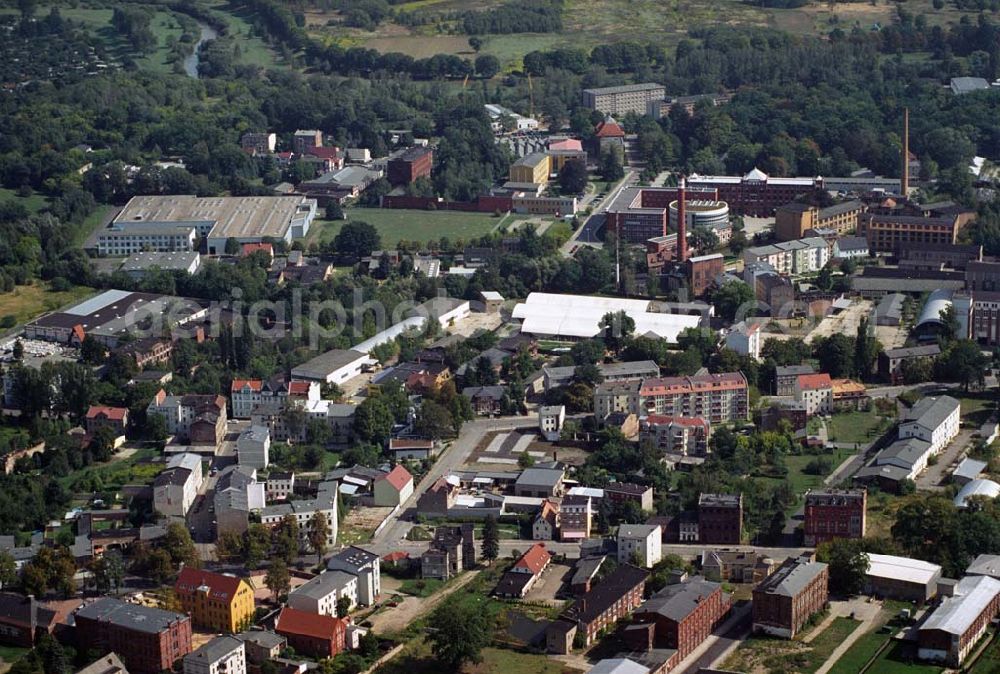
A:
x,y
395,225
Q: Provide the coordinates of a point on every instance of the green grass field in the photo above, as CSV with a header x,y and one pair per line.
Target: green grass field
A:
x,y
34,203
796,464
114,474
856,427
395,225
421,587
9,655
860,653
27,302
253,50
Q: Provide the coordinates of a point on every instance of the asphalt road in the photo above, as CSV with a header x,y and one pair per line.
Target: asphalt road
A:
x,y
587,233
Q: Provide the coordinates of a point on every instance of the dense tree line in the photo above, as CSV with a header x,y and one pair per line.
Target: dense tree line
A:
x,y
516,17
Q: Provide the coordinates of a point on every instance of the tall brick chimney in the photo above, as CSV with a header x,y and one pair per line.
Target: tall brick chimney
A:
x,y
905,182
682,246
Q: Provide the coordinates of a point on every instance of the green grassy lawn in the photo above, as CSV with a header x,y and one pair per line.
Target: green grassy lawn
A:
x,y
27,302
114,474
395,225
856,427
796,464
860,653
253,50
901,658
977,409
34,203
9,655
421,587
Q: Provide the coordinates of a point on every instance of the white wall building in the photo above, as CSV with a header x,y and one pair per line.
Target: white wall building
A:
x,y
744,339
320,595
175,489
815,391
221,655
933,420
641,541
550,421
253,447
363,564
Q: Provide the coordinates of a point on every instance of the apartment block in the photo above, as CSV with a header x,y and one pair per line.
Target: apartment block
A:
x,y
149,640
623,99
718,398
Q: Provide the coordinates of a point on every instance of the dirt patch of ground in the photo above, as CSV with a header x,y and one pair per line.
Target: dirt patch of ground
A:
x,y
546,587
394,619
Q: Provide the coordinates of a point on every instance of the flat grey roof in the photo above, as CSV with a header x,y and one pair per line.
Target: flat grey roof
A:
x,y
130,616
323,584
323,365
548,477
625,88
217,648
239,217
791,577
678,601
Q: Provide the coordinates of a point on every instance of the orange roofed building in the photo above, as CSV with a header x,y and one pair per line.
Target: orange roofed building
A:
x,y
319,636
526,571
215,601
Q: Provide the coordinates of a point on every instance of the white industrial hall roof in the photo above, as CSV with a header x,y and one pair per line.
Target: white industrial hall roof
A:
x,y
579,316
902,568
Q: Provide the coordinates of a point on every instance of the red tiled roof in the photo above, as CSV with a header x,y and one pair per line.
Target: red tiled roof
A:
x,y
815,381
398,477
78,332
722,381
397,556
116,413
566,144
534,560
654,419
298,388
249,248
609,128
219,585
252,384
324,152
293,621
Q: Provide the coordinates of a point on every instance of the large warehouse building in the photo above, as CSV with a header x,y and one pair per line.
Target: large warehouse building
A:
x,y
164,223
578,316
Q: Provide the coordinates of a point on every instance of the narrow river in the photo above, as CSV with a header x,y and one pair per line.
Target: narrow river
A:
x,y
191,62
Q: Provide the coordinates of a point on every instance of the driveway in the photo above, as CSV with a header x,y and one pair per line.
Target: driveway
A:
x,y
932,478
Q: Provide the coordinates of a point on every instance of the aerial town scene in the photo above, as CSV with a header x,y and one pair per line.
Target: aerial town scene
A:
x,y
499,337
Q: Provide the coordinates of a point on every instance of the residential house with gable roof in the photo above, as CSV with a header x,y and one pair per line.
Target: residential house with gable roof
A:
x,y
215,601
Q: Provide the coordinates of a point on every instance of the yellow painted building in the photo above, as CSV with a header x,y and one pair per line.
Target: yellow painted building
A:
x,y
215,601
532,168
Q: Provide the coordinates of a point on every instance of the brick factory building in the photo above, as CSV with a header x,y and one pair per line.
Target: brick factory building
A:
x,y
785,601
720,519
149,640
755,193
415,162
680,616
834,513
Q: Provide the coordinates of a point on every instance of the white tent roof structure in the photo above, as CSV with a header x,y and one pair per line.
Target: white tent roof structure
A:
x,y
578,316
